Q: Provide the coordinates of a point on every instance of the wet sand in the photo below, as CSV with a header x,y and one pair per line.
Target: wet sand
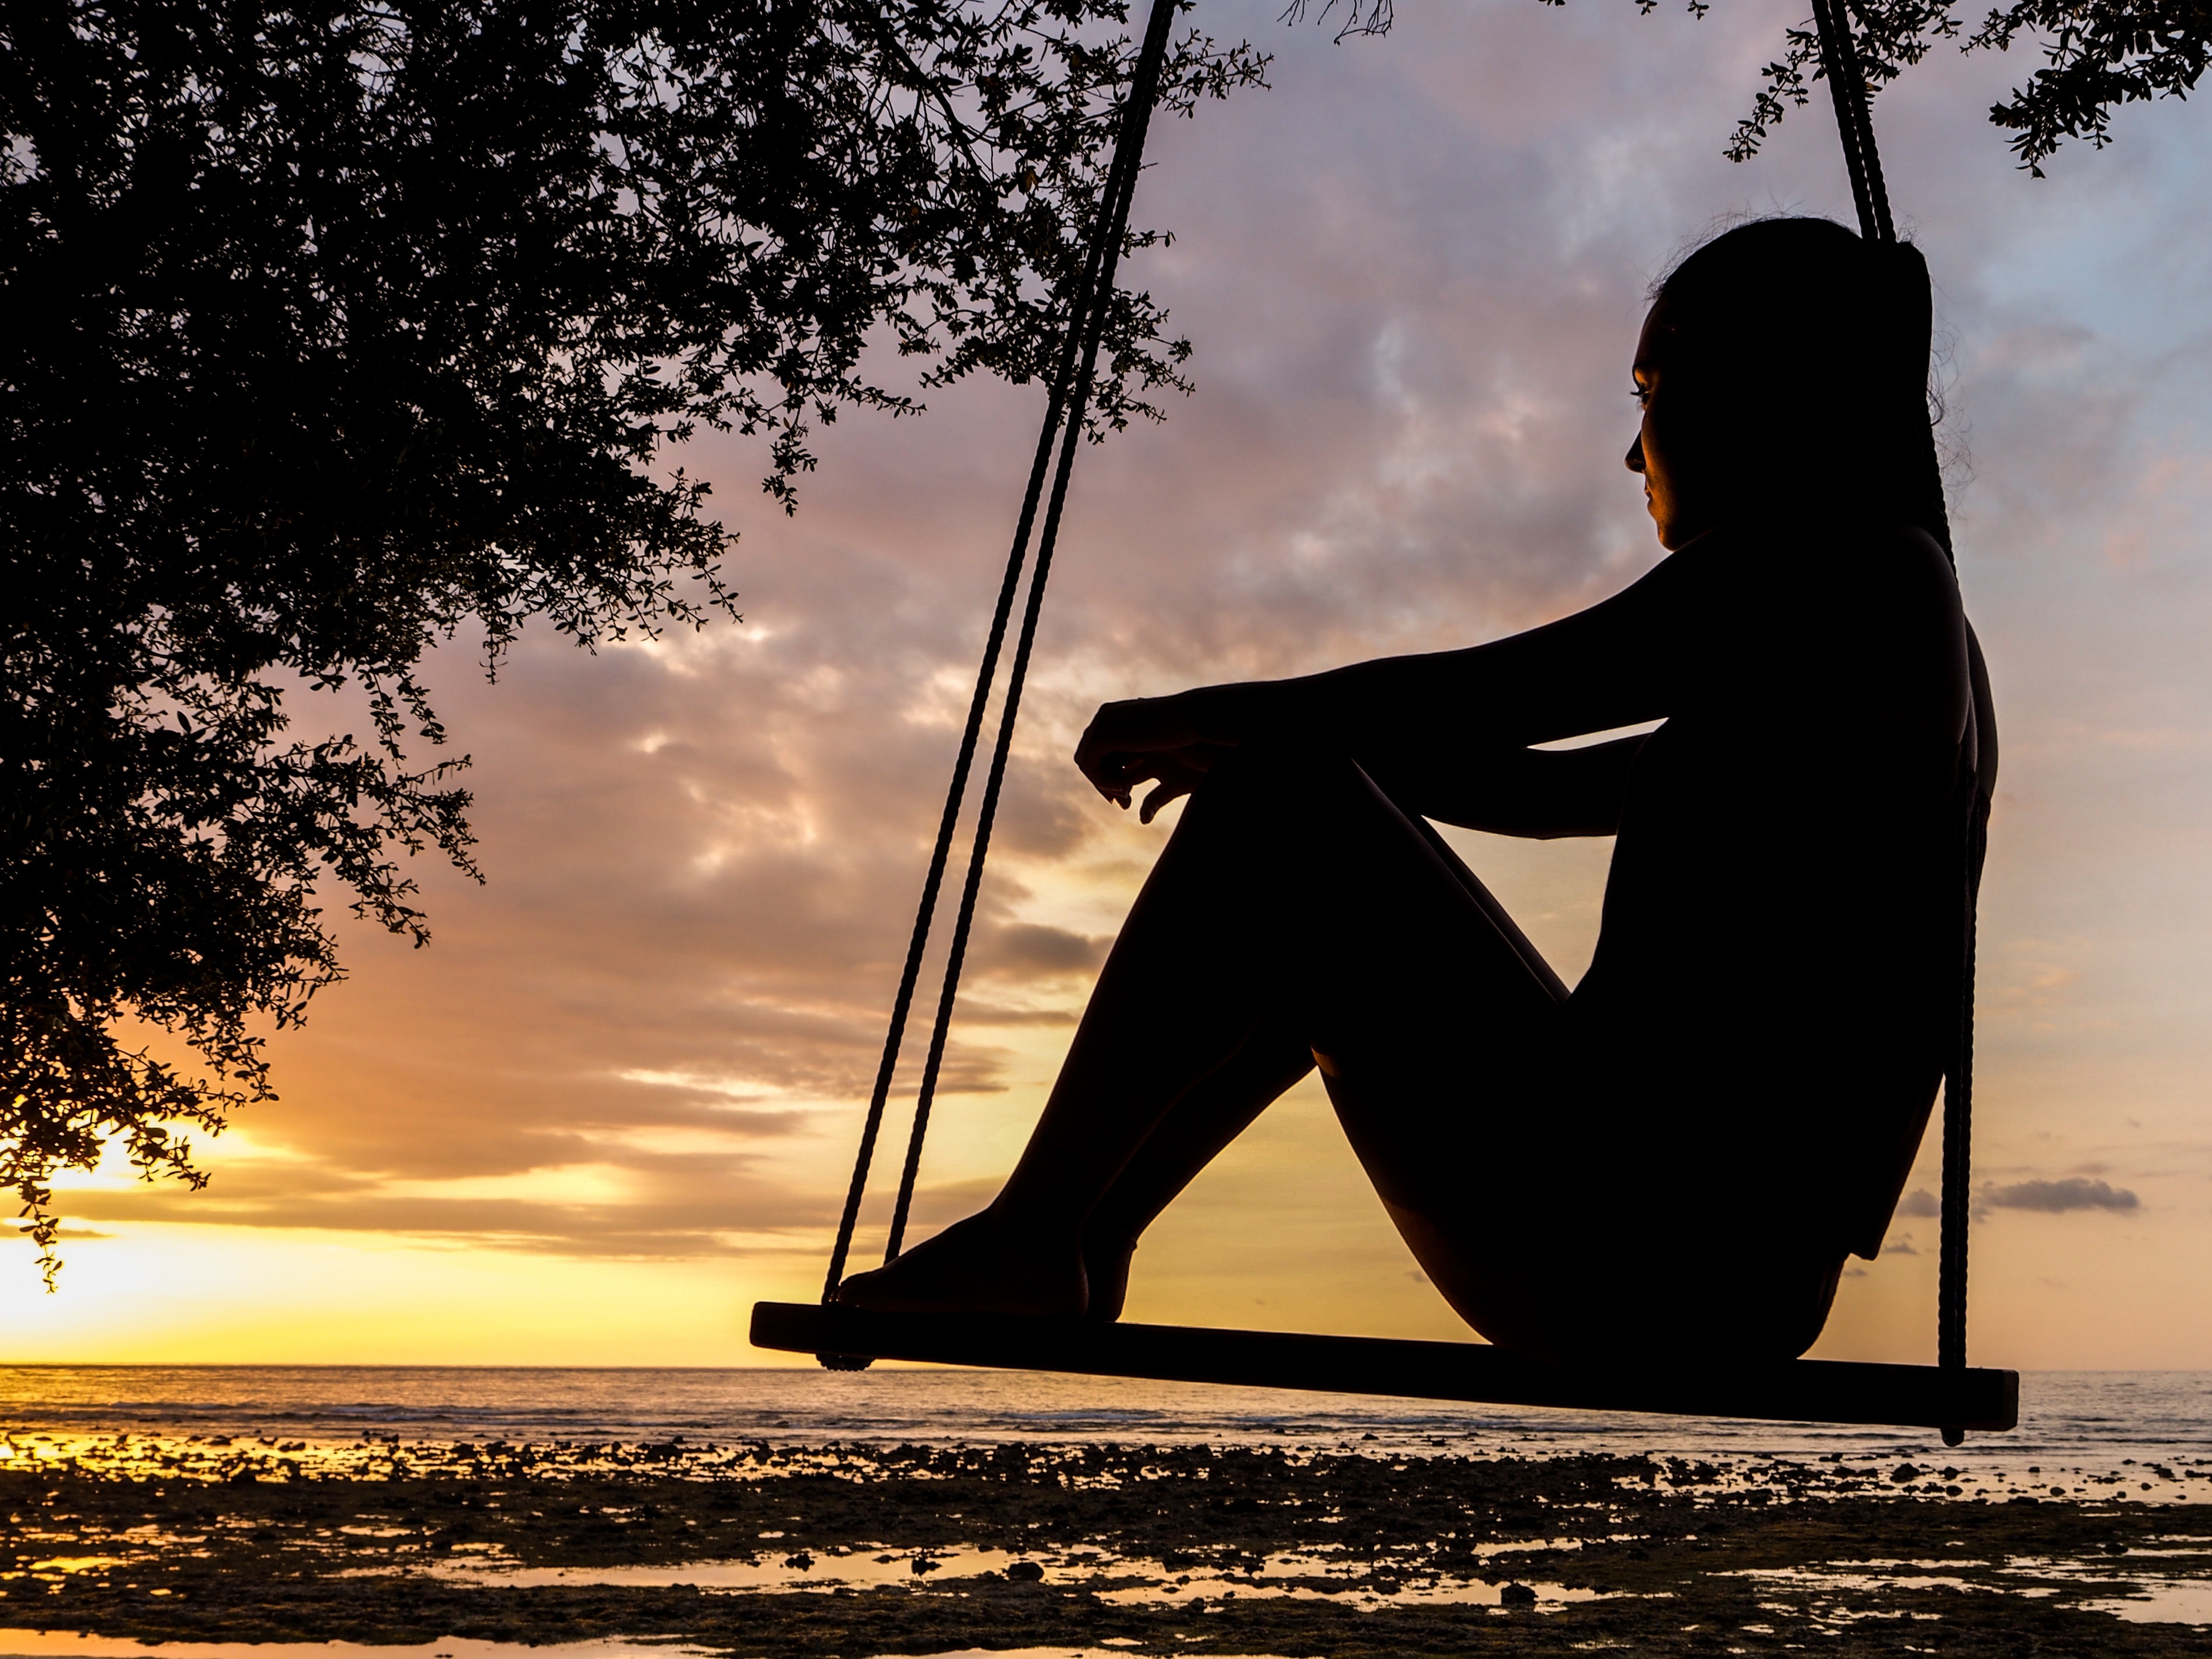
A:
x,y
755,1549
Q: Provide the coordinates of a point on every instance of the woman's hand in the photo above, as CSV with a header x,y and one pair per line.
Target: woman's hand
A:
x,y
1173,742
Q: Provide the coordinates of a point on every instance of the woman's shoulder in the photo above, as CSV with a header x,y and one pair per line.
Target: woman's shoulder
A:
x,y
1835,573
1856,611
1840,550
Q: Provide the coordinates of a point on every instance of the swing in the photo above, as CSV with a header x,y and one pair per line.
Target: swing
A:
x,y
1948,1395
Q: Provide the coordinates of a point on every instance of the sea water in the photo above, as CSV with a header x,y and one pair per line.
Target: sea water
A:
x,y
2072,1420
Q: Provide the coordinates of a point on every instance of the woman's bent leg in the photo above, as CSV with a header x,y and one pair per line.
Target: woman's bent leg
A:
x,y
1211,1112
1292,897
1442,1037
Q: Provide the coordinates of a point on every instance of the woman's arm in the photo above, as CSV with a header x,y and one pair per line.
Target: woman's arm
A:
x,y
1542,794
1613,665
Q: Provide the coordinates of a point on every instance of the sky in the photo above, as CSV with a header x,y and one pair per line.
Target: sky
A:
x,y
615,1101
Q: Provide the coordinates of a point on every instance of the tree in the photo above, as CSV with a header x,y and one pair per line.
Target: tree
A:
x,y
338,327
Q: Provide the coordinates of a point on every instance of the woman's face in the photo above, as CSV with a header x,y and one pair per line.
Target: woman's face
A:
x,y
1679,485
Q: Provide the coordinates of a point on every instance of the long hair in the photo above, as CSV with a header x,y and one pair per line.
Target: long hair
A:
x,y
1805,350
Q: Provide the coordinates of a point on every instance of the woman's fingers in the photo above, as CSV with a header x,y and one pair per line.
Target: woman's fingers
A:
x,y
1111,774
1178,775
1147,739
1169,791
1097,759
1138,726
1118,775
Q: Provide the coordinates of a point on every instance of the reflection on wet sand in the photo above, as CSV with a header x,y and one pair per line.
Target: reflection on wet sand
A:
x,y
423,1548
1111,1578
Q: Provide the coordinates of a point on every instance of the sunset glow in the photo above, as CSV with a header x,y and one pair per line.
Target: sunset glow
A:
x,y
614,1102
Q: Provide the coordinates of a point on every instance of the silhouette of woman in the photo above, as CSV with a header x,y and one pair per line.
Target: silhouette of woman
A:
x,y
1679,1153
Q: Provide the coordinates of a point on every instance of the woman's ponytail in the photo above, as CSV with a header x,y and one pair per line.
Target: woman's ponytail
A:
x,y
1911,325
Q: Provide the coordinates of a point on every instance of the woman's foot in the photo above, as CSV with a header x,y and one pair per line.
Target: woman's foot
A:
x,y
981,1265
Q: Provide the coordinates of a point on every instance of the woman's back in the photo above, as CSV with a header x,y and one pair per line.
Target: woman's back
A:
x,y
1778,948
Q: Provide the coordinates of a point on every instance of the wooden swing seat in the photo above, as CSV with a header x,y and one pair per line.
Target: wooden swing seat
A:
x,y
1800,1390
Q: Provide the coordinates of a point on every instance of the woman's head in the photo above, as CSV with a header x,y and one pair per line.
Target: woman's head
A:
x,y
1785,364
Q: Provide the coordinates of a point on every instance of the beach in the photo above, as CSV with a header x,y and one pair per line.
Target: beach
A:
x,y
1305,1534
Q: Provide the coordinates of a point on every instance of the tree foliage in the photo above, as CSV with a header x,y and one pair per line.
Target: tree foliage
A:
x,y
2099,55
340,327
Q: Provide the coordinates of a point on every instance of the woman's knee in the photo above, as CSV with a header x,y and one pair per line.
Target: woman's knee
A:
x,y
1276,771
1300,796
1276,804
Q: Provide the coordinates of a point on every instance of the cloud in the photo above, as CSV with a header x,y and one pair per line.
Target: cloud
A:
x,y
1919,1202
2053,1197
1026,949
659,1232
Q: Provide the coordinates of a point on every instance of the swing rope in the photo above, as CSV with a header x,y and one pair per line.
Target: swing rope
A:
x,y
1839,63
1847,88
1089,296
1128,160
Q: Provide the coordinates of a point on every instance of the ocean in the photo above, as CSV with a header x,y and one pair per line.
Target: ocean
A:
x,y
2090,1422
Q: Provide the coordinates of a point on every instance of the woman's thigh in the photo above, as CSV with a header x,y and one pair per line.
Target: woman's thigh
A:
x,y
1433,1019
1384,946
1569,1266
1541,1178
1610,1217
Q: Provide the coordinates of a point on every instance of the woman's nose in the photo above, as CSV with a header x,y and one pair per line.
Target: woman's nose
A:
x,y
1635,456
